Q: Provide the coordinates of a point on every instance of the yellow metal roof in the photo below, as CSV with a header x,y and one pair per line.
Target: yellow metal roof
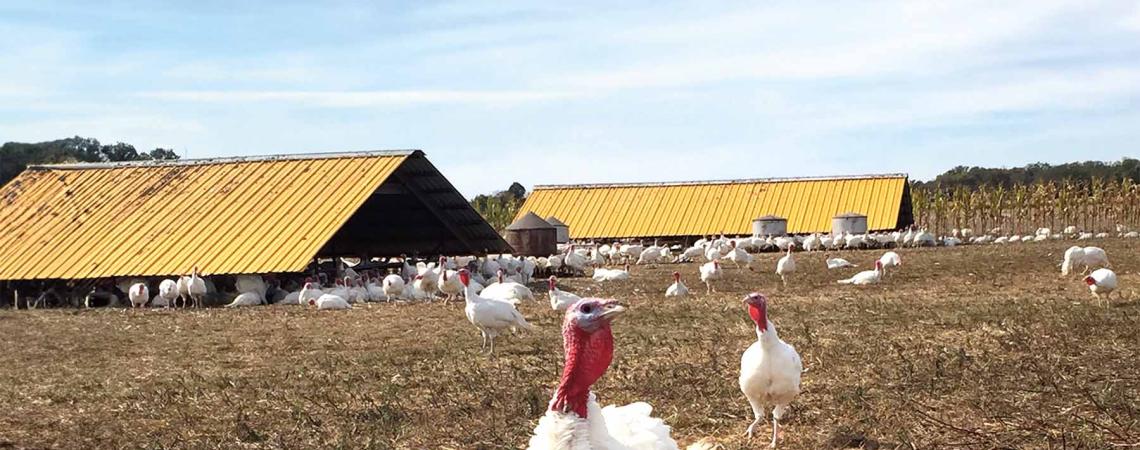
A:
x,y
235,215
704,208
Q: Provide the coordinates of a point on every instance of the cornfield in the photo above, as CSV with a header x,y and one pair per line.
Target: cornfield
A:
x,y
1093,206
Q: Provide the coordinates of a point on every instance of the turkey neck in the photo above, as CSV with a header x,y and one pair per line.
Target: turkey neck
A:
x,y
588,355
765,332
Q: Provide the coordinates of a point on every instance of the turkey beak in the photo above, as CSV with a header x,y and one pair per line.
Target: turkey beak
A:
x,y
612,310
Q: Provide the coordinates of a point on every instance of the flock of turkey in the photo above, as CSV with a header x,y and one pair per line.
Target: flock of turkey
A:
x,y
492,289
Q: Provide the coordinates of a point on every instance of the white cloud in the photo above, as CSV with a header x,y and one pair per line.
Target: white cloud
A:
x,y
821,41
350,99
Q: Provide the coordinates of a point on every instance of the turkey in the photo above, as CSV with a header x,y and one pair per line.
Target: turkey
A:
x,y
889,260
449,284
710,272
356,291
167,292
375,291
838,263
490,316
812,243
329,301
1095,256
192,287
393,286
651,255
245,299
505,290
574,419
866,276
690,254
1101,282
1084,256
573,260
251,283
786,265
559,300
603,274
428,276
417,290
139,294
677,289
738,256
769,370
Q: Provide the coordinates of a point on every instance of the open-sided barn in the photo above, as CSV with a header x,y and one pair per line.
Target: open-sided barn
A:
x,y
245,215
703,208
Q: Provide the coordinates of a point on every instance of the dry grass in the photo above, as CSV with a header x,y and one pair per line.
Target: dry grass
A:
x,y
982,347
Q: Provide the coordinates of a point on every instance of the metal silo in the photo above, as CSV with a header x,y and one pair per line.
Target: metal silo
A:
x,y
532,236
769,226
562,230
852,223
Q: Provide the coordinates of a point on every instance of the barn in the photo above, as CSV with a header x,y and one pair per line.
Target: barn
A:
x,y
244,215
687,210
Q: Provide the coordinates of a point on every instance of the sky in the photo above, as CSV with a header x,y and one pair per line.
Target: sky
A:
x,y
587,92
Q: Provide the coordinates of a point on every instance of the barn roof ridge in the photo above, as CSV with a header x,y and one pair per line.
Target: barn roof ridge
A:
x,y
723,181
227,159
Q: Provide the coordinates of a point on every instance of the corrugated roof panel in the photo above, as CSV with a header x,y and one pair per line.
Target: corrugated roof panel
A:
x,y
247,215
708,208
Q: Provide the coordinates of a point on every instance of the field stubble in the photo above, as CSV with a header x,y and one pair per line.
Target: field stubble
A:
x,y
971,347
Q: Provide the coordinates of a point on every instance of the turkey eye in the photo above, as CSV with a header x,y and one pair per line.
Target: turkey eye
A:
x,y
587,309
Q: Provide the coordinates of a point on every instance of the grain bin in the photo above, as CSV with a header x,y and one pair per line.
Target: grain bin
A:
x,y
562,234
852,223
532,236
769,226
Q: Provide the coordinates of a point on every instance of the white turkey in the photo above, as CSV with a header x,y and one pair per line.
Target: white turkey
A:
x,y
428,276
375,291
574,420
492,317
251,283
506,290
245,299
651,255
769,370
1083,256
1101,282
559,300
786,265
449,284
603,274
678,288
838,263
329,301
890,260
573,260
139,294
866,276
167,292
192,288
739,256
813,243
393,286
710,272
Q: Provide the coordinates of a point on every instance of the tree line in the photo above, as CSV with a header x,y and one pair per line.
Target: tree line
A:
x,y
1076,172
17,156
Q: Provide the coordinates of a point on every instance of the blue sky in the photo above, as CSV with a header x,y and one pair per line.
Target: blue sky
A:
x,y
501,91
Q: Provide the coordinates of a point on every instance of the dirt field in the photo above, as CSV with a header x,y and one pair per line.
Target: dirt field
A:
x,y
975,347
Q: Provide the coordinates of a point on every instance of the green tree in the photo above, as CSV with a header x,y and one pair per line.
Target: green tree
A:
x,y
17,156
500,208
